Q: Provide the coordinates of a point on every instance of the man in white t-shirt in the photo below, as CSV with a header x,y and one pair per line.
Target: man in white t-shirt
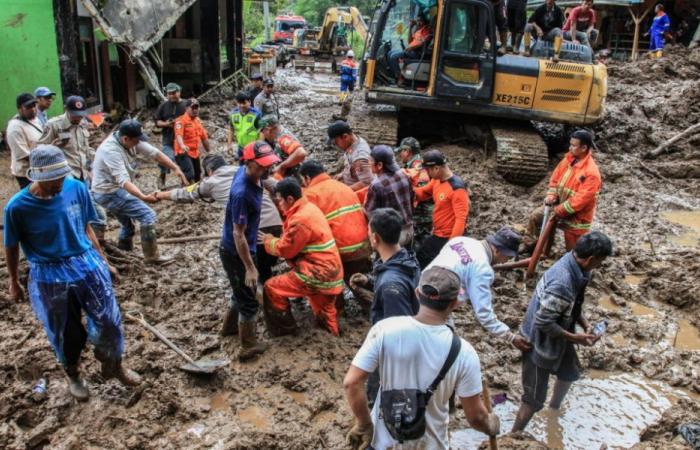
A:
x,y
409,352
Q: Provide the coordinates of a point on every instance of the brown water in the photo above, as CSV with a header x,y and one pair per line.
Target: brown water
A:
x,y
688,219
255,416
219,401
687,337
634,280
602,408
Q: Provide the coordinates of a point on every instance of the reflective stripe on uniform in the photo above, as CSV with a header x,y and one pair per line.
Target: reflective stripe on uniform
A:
x,y
319,284
318,247
342,211
351,248
272,244
567,206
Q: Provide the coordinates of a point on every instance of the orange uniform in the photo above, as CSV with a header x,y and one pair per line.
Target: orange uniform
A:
x,y
420,37
316,270
451,205
285,146
344,214
192,132
576,183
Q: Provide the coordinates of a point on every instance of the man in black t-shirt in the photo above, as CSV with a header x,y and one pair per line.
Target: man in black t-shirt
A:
x,y
545,22
165,117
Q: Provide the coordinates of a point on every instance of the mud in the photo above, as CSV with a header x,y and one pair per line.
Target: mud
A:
x,y
292,397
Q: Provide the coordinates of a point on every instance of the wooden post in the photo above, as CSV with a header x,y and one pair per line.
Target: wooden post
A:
x,y
637,22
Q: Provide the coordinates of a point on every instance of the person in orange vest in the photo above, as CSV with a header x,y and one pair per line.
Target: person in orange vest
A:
x,y
344,214
290,151
316,269
573,190
410,159
189,133
348,75
418,47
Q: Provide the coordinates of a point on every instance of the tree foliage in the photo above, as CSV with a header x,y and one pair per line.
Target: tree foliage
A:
x,y
314,10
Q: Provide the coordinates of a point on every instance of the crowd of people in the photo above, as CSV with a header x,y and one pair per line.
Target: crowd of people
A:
x,y
389,230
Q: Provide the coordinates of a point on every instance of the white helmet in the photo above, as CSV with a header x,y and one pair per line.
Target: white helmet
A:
x,y
350,54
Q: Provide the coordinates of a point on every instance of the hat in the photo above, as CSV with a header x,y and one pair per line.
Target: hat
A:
x,y
43,92
47,163
433,158
132,128
506,241
269,82
409,143
268,120
439,284
350,54
172,87
191,102
25,99
76,106
256,76
384,154
261,153
337,128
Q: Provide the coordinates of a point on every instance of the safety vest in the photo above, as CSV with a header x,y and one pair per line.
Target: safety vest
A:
x,y
348,70
308,246
344,214
576,183
245,126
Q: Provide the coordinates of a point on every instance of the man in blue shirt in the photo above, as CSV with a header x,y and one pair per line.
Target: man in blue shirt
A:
x,y
68,273
238,244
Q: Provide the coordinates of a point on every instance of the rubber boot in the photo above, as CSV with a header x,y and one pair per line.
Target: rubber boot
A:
x,y
230,325
76,385
113,368
279,323
250,347
503,35
161,181
149,244
126,244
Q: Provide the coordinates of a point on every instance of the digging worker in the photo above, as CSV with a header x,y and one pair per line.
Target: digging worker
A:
x,y
545,22
316,269
550,326
348,75
288,149
451,199
189,133
390,189
357,172
266,101
165,117
344,214
409,352
113,188
244,122
580,26
68,273
473,260
408,154
44,97
237,249
573,192
23,132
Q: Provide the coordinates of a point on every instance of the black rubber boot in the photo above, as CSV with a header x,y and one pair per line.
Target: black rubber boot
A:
x,y
230,325
76,385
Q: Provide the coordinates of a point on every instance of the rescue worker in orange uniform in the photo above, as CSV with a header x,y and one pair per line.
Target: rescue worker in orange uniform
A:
x,y
449,193
316,270
290,151
418,47
189,133
344,214
573,191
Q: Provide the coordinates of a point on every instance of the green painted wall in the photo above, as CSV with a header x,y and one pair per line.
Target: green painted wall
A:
x,y
29,54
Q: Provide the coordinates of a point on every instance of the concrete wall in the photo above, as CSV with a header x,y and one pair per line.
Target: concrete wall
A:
x,y
29,54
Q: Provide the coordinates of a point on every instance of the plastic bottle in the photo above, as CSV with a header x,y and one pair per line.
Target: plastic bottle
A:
x,y
39,390
600,327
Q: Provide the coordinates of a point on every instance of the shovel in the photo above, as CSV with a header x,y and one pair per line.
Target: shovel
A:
x,y
201,366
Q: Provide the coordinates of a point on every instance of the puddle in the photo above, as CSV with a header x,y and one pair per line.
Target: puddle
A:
x,y
641,310
602,408
618,340
219,401
325,417
606,302
254,416
634,280
688,219
299,397
687,337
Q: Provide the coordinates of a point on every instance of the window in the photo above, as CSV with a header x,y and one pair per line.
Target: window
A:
x,y
466,29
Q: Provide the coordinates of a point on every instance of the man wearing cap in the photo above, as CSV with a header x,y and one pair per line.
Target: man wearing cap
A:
x,y
411,161
44,97
266,101
244,127
390,189
256,86
165,117
409,352
237,249
290,151
348,75
68,273
23,132
572,194
473,260
316,273
189,133
357,172
550,323
113,188
451,198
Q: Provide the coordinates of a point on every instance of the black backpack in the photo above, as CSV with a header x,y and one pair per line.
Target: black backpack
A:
x,y
403,410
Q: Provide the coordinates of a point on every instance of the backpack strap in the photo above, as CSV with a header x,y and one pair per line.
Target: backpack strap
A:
x,y
451,357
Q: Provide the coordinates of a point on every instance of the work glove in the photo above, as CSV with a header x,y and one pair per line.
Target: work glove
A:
x,y
360,436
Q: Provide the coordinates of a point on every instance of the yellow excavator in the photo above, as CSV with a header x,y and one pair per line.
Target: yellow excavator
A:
x,y
457,78
324,47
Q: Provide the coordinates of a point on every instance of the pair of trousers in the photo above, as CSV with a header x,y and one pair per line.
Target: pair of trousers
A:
x,y
534,226
396,55
170,153
127,209
582,37
281,288
266,261
189,166
429,249
243,297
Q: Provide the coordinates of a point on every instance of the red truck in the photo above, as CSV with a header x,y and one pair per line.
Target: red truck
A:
x,y
285,26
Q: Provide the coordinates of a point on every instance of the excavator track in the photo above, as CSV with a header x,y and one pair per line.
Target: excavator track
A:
x,y
377,124
521,153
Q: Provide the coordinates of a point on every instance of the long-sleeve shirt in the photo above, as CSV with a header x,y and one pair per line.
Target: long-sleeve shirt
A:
x,y
660,24
470,259
359,151
451,205
576,183
115,164
22,136
77,150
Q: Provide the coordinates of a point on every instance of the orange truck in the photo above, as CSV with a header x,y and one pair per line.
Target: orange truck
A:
x,y
285,26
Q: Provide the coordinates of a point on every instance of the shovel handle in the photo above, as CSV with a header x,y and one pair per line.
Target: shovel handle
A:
x,y
160,336
493,444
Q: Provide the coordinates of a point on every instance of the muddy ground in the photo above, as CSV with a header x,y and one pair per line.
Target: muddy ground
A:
x,y
292,398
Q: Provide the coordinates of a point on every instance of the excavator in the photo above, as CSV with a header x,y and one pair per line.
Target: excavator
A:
x,y
322,48
458,79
